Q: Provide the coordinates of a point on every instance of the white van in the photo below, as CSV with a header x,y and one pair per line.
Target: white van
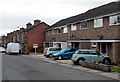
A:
x,y
13,48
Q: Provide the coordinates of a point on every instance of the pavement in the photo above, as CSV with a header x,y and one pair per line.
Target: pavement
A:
x,y
69,63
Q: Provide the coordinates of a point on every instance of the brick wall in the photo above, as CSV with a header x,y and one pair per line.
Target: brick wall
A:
x,y
36,35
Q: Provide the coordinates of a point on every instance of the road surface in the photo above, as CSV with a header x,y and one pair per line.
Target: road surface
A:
x,y
17,67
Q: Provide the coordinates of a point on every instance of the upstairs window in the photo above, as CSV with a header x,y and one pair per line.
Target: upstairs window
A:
x,y
53,31
65,30
114,20
98,23
83,25
58,31
73,27
47,32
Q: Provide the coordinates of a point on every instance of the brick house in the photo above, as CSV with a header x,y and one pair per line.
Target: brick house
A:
x,y
15,37
98,28
35,35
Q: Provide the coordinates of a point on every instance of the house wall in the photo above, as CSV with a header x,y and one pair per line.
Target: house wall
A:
x,y
36,35
116,52
57,37
108,32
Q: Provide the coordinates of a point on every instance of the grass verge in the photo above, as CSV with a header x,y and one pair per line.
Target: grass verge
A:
x,y
115,69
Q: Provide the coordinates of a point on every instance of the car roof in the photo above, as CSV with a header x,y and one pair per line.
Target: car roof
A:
x,y
70,48
86,50
53,47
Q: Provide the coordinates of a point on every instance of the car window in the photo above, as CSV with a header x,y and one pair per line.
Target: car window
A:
x,y
93,52
59,49
54,49
63,50
82,52
72,50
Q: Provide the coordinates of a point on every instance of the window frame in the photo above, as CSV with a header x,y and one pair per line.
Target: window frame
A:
x,y
93,45
53,32
65,31
85,22
98,23
73,27
116,18
58,31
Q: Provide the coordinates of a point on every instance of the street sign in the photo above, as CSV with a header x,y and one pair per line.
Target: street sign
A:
x,y
35,45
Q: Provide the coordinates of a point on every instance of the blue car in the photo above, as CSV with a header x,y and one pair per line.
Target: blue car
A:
x,y
64,54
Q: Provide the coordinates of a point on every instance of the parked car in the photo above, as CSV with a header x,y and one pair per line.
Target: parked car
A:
x,y
90,56
64,54
2,50
50,50
13,48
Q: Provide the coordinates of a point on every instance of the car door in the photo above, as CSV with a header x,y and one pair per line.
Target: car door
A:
x,y
94,56
69,53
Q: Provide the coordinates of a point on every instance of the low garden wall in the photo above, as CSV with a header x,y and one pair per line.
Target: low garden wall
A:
x,y
103,67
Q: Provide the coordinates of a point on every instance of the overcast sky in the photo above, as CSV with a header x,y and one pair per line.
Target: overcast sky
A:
x,y
16,13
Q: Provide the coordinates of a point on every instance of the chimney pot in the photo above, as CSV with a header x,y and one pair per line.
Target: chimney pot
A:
x,y
36,22
28,25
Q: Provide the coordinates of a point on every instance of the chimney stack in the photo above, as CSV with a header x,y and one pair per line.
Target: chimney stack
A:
x,y
37,22
28,25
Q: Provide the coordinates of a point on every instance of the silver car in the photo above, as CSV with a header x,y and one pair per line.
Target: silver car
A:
x,y
50,50
2,50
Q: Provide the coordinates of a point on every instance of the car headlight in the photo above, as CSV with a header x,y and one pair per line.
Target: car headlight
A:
x,y
75,56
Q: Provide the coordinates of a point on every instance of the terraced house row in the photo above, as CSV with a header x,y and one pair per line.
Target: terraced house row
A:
x,y
26,37
98,28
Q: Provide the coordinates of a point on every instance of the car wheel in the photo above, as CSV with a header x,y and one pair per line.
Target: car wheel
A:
x,y
80,61
50,55
60,57
107,61
76,63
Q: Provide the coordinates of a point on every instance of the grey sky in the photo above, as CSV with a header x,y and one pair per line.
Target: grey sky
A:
x,y
16,13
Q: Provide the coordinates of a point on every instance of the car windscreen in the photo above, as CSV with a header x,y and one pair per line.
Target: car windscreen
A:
x,y
64,50
54,49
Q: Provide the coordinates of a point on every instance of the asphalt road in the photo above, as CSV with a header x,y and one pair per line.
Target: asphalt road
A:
x,y
17,67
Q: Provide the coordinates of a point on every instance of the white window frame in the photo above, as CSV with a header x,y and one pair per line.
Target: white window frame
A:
x,y
65,30
94,45
73,27
53,31
82,24
98,23
115,18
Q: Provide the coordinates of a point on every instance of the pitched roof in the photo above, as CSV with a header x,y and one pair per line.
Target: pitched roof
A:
x,y
92,13
33,26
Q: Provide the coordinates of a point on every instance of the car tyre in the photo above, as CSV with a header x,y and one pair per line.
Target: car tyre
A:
x,y
107,61
76,63
60,57
80,61
50,55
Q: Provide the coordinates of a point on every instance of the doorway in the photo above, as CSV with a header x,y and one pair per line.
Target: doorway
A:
x,y
75,45
103,48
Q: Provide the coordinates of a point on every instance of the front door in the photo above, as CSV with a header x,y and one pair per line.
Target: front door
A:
x,y
103,48
75,45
